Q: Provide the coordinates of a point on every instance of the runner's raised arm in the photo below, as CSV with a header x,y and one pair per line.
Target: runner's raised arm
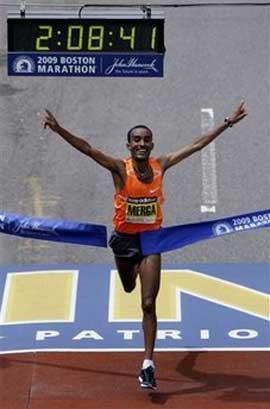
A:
x,y
108,162
199,143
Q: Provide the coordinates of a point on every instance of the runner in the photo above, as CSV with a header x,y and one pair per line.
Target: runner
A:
x,y
137,201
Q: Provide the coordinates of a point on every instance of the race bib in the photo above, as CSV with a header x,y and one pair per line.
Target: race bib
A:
x,y
141,210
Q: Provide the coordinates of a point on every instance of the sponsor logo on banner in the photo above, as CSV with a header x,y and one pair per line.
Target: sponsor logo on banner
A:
x,y
24,65
241,223
30,228
134,65
222,228
2,222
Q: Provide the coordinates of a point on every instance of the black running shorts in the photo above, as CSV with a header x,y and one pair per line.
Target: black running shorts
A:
x,y
126,246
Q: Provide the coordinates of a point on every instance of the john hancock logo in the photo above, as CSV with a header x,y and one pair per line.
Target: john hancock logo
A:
x,y
123,65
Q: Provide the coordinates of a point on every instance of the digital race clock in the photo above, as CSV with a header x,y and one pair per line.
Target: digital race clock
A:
x,y
85,35
107,47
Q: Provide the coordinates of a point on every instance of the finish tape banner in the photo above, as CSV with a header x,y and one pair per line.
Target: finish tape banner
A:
x,y
54,230
175,237
152,242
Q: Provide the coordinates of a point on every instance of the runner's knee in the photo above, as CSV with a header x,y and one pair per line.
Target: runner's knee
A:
x,y
129,287
149,305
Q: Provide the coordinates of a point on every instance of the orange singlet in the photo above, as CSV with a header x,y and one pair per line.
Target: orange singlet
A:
x,y
138,205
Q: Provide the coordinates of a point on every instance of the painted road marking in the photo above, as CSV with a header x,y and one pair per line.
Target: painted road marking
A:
x,y
208,162
126,307
118,300
35,183
41,201
220,307
39,296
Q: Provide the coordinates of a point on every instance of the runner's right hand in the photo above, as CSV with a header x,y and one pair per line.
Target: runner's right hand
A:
x,y
51,122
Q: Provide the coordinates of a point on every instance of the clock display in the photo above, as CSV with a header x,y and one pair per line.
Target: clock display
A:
x,y
85,35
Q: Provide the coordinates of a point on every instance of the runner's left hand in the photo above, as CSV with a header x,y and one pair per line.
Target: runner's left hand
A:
x,y
239,113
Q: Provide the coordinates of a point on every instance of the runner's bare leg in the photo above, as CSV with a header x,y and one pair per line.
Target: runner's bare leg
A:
x,y
150,281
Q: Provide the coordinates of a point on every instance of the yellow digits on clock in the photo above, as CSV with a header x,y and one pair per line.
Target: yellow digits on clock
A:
x,y
48,36
96,38
75,35
130,37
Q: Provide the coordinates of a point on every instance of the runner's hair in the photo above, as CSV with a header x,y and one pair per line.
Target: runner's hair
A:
x,y
135,127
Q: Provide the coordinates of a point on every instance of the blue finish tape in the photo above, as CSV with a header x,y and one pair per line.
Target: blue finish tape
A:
x,y
175,237
54,230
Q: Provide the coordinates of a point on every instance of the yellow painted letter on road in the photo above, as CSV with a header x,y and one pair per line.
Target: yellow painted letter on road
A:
x,y
39,296
126,307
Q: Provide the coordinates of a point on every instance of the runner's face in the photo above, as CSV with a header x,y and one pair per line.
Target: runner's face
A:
x,y
141,144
